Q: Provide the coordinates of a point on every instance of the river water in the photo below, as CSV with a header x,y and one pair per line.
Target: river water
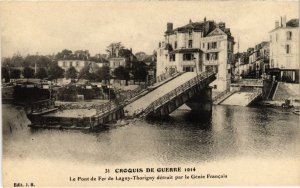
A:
x,y
230,132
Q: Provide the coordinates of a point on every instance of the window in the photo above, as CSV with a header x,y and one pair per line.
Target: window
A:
x,y
288,49
190,32
212,45
71,63
229,71
172,57
212,68
188,69
159,44
212,56
175,44
77,63
188,56
190,43
289,35
203,45
64,64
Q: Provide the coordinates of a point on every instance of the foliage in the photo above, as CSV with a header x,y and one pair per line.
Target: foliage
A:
x,y
71,73
121,73
55,72
102,74
85,73
139,71
5,74
15,74
63,54
28,72
41,73
113,48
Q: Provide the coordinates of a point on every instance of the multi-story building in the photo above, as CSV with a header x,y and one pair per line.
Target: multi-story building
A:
x,y
197,46
284,50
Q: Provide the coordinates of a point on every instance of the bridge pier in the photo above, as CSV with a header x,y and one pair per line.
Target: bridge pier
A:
x,y
201,103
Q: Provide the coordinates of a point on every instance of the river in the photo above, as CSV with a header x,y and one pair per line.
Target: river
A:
x,y
229,134
231,131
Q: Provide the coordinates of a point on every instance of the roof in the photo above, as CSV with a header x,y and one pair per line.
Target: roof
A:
x,y
186,50
198,26
293,23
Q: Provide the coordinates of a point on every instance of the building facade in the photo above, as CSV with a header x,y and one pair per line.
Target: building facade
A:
x,y
197,47
284,50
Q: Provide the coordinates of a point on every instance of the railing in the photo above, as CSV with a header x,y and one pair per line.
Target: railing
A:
x,y
220,95
250,82
39,106
253,95
177,91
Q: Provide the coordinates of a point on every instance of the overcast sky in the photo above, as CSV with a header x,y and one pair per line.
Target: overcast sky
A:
x,y
49,27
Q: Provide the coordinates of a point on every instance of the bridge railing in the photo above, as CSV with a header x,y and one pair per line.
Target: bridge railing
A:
x,y
39,106
250,82
177,91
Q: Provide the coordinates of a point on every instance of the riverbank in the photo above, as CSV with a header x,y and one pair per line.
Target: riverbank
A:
x,y
14,119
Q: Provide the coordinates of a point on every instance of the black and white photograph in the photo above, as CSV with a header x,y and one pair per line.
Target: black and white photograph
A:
x,y
150,93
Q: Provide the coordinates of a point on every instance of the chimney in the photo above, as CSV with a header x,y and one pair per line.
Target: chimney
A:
x,y
276,24
190,21
284,21
169,27
204,19
222,26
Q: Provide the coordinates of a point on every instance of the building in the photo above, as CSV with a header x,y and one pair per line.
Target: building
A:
x,y
284,50
252,64
123,57
197,46
81,58
77,64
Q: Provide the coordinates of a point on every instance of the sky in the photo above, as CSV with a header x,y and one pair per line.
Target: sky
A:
x,y
49,27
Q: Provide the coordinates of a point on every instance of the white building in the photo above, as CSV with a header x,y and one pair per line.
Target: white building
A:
x,y
77,64
198,46
284,50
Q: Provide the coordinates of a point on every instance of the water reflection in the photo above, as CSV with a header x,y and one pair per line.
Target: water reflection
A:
x,y
183,137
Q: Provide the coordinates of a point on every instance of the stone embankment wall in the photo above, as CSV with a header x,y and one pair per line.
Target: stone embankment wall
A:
x,y
13,119
287,91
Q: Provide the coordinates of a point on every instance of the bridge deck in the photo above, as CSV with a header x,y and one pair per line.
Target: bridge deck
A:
x,y
241,98
146,100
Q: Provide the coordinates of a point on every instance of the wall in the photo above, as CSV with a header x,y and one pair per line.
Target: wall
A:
x,y
278,53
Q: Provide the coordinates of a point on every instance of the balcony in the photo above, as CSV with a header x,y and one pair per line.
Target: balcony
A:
x,y
211,62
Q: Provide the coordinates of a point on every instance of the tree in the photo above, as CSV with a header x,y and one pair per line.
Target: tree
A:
x,y
28,72
102,74
15,74
63,54
139,71
17,61
114,48
55,72
43,62
5,74
71,73
41,73
85,73
121,73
